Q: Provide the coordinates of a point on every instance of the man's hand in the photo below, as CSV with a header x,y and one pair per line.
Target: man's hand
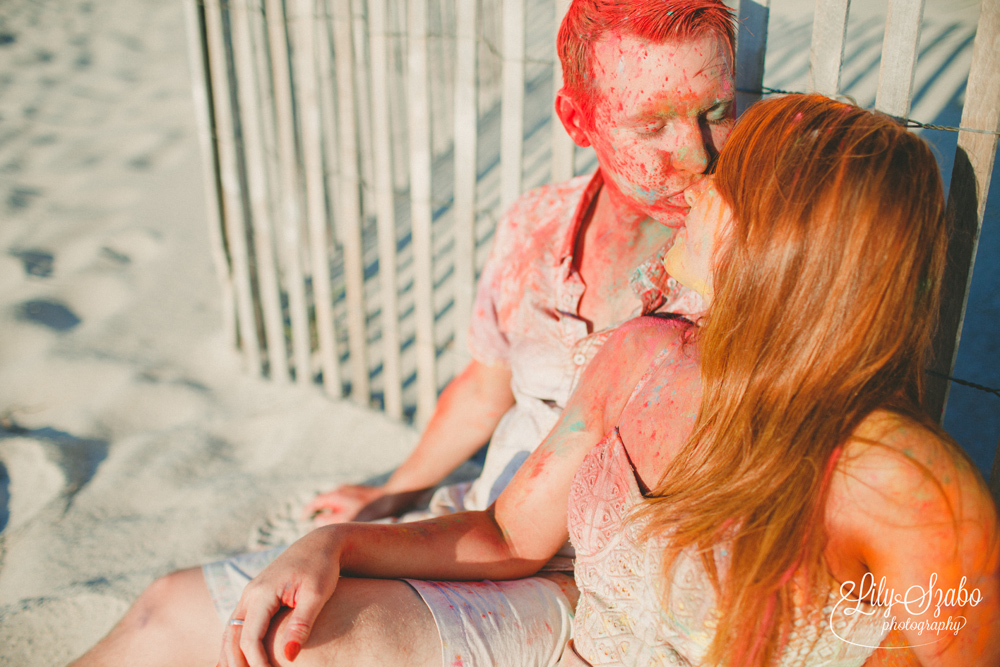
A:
x,y
466,415
352,502
343,504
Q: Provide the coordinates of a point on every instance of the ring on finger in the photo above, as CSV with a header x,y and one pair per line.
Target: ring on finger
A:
x,y
236,621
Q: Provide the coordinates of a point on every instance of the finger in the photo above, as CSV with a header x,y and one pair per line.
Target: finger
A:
x,y
255,626
317,504
298,625
338,500
231,654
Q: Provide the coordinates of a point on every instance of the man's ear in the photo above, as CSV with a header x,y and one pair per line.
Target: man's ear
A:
x,y
573,118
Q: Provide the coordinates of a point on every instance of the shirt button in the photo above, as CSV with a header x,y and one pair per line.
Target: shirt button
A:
x,y
579,358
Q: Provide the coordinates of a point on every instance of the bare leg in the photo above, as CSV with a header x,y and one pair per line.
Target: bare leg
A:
x,y
172,623
367,622
373,622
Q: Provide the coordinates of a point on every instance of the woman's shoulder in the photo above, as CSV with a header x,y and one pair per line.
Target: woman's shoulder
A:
x,y
632,350
650,335
899,477
892,451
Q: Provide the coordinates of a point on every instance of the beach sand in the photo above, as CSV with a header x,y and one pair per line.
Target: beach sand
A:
x,y
132,441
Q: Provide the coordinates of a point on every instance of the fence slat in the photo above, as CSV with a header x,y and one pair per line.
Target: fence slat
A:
x,y
899,56
751,45
418,107
385,207
466,138
970,184
512,106
362,98
328,113
289,219
234,215
257,184
398,47
563,148
194,18
826,54
350,201
303,29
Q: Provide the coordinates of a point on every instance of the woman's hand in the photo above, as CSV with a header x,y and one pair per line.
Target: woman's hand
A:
x,y
302,578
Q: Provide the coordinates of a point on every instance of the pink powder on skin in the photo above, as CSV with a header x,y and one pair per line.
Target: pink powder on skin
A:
x,y
661,114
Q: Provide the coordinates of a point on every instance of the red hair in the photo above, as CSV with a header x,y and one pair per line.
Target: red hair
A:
x,y
826,293
587,21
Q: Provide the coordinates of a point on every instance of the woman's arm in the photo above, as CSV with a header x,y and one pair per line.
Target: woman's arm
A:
x,y
513,539
923,520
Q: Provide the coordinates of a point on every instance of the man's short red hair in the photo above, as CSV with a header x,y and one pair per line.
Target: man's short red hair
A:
x,y
587,21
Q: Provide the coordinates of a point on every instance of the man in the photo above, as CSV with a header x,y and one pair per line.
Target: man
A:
x,y
649,85
544,263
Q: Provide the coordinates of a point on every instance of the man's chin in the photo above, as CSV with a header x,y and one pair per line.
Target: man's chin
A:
x,y
669,215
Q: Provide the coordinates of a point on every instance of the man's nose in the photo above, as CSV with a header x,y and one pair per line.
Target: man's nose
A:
x,y
689,153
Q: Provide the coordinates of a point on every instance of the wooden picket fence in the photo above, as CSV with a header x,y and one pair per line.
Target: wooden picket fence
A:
x,y
364,149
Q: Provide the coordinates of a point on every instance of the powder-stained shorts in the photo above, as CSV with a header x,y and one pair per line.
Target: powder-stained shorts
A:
x,y
481,624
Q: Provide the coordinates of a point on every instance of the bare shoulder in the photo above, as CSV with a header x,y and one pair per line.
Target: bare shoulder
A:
x,y
649,335
900,483
911,527
626,355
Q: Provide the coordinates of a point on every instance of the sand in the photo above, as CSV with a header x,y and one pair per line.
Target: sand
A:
x,y
132,442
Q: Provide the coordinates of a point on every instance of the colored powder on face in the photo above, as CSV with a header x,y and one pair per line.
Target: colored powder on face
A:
x,y
647,196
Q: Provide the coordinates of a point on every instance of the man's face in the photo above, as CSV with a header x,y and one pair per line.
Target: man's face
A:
x,y
660,115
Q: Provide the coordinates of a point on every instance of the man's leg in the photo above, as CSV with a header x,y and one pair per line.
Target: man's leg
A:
x,y
172,623
376,622
372,622
366,622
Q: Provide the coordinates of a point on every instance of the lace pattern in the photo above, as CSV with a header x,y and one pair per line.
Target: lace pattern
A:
x,y
620,620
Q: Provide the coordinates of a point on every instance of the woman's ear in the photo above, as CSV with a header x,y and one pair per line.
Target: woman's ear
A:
x,y
573,118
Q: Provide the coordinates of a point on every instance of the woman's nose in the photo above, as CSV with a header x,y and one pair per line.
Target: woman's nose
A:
x,y
697,189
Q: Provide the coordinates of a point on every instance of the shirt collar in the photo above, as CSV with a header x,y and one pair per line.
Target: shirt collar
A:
x,y
579,214
650,281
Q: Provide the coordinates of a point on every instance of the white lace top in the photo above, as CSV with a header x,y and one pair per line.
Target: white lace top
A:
x,y
620,619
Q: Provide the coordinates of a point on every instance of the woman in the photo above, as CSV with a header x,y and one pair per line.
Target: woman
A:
x,y
751,489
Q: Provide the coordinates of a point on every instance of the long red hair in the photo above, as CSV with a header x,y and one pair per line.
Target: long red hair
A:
x,y
826,293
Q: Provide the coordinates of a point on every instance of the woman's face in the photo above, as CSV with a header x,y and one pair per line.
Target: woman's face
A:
x,y
690,259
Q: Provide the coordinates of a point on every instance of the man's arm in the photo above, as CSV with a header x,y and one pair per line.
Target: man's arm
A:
x,y
467,413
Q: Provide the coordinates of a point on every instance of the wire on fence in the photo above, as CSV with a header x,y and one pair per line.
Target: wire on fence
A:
x,y
980,387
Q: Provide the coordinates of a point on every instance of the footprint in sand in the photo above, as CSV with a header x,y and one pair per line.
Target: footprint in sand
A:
x,y
38,263
21,198
40,465
32,480
52,314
